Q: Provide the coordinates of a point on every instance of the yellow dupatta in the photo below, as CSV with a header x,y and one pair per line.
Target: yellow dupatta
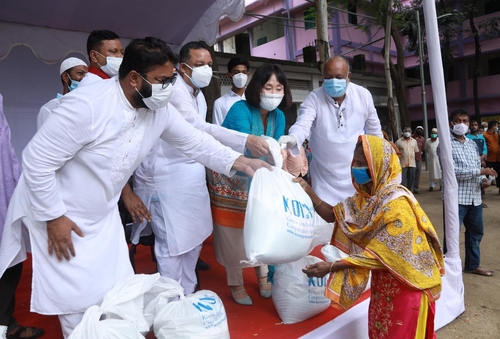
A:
x,y
384,228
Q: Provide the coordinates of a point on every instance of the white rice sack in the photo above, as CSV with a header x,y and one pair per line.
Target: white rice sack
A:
x,y
295,296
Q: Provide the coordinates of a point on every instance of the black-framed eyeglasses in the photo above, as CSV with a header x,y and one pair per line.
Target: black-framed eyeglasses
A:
x,y
164,82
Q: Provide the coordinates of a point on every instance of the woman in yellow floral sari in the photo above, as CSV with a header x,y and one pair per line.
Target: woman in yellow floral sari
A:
x,y
384,230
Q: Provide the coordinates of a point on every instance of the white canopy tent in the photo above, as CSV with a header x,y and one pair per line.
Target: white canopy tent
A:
x,y
35,36
51,30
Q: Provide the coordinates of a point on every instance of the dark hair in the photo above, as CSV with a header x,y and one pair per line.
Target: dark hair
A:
x,y
184,54
492,123
237,61
473,120
95,39
259,79
458,112
141,55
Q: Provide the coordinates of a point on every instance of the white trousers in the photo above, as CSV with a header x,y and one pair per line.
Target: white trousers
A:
x,y
178,267
3,332
69,322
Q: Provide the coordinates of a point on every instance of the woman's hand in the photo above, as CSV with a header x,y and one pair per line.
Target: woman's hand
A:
x,y
321,207
319,269
305,186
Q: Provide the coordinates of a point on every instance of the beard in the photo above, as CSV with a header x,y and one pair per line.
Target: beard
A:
x,y
146,92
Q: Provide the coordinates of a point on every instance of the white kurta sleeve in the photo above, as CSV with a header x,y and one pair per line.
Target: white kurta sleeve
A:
x,y
58,140
197,144
372,123
233,139
302,127
217,114
41,117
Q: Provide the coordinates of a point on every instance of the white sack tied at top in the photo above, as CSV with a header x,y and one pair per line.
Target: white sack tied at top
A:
x,y
279,220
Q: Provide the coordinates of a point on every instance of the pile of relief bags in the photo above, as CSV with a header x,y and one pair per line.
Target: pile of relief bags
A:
x,y
143,302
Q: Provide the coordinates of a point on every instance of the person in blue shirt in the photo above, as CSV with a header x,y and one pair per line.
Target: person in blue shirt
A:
x,y
478,138
267,93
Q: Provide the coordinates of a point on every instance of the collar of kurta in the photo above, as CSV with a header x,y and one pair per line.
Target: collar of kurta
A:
x,y
98,72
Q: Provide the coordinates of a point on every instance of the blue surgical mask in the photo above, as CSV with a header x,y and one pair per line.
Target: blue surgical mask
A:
x,y
434,136
361,175
335,87
74,84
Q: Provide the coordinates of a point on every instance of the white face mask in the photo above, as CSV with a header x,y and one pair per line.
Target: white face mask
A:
x,y
159,96
460,129
407,134
112,65
201,76
270,101
240,80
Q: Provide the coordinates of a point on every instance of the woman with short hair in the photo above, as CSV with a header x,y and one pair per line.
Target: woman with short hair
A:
x,y
267,93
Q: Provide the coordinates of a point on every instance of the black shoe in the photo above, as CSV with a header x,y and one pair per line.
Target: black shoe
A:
x,y
431,189
202,266
416,192
483,205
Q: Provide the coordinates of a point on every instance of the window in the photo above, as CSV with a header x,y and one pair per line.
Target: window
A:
x,y
267,31
491,6
494,66
352,18
229,45
310,18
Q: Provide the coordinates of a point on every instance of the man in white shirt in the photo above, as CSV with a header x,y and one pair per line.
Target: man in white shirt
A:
x,y
172,186
238,70
105,52
74,169
72,71
335,115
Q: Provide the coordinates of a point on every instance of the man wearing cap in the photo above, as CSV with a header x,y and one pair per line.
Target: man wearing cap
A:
x,y
72,71
484,126
433,165
105,54
419,137
74,169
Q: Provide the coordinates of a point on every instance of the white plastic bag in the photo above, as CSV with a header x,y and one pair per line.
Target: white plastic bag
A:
x,y
121,314
333,254
92,327
279,220
198,315
295,296
322,232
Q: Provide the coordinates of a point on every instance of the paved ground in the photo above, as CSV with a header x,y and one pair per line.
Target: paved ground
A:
x,y
481,318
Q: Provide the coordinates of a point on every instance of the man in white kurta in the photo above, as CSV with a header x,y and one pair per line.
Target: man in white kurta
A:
x,y
173,186
73,172
238,71
72,71
334,124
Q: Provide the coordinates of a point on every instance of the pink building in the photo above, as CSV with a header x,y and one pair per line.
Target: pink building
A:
x,y
280,29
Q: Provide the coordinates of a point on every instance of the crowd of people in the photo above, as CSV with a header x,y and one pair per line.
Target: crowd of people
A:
x,y
140,113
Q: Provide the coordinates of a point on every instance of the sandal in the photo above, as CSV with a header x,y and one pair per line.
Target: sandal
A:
x,y
480,271
25,332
